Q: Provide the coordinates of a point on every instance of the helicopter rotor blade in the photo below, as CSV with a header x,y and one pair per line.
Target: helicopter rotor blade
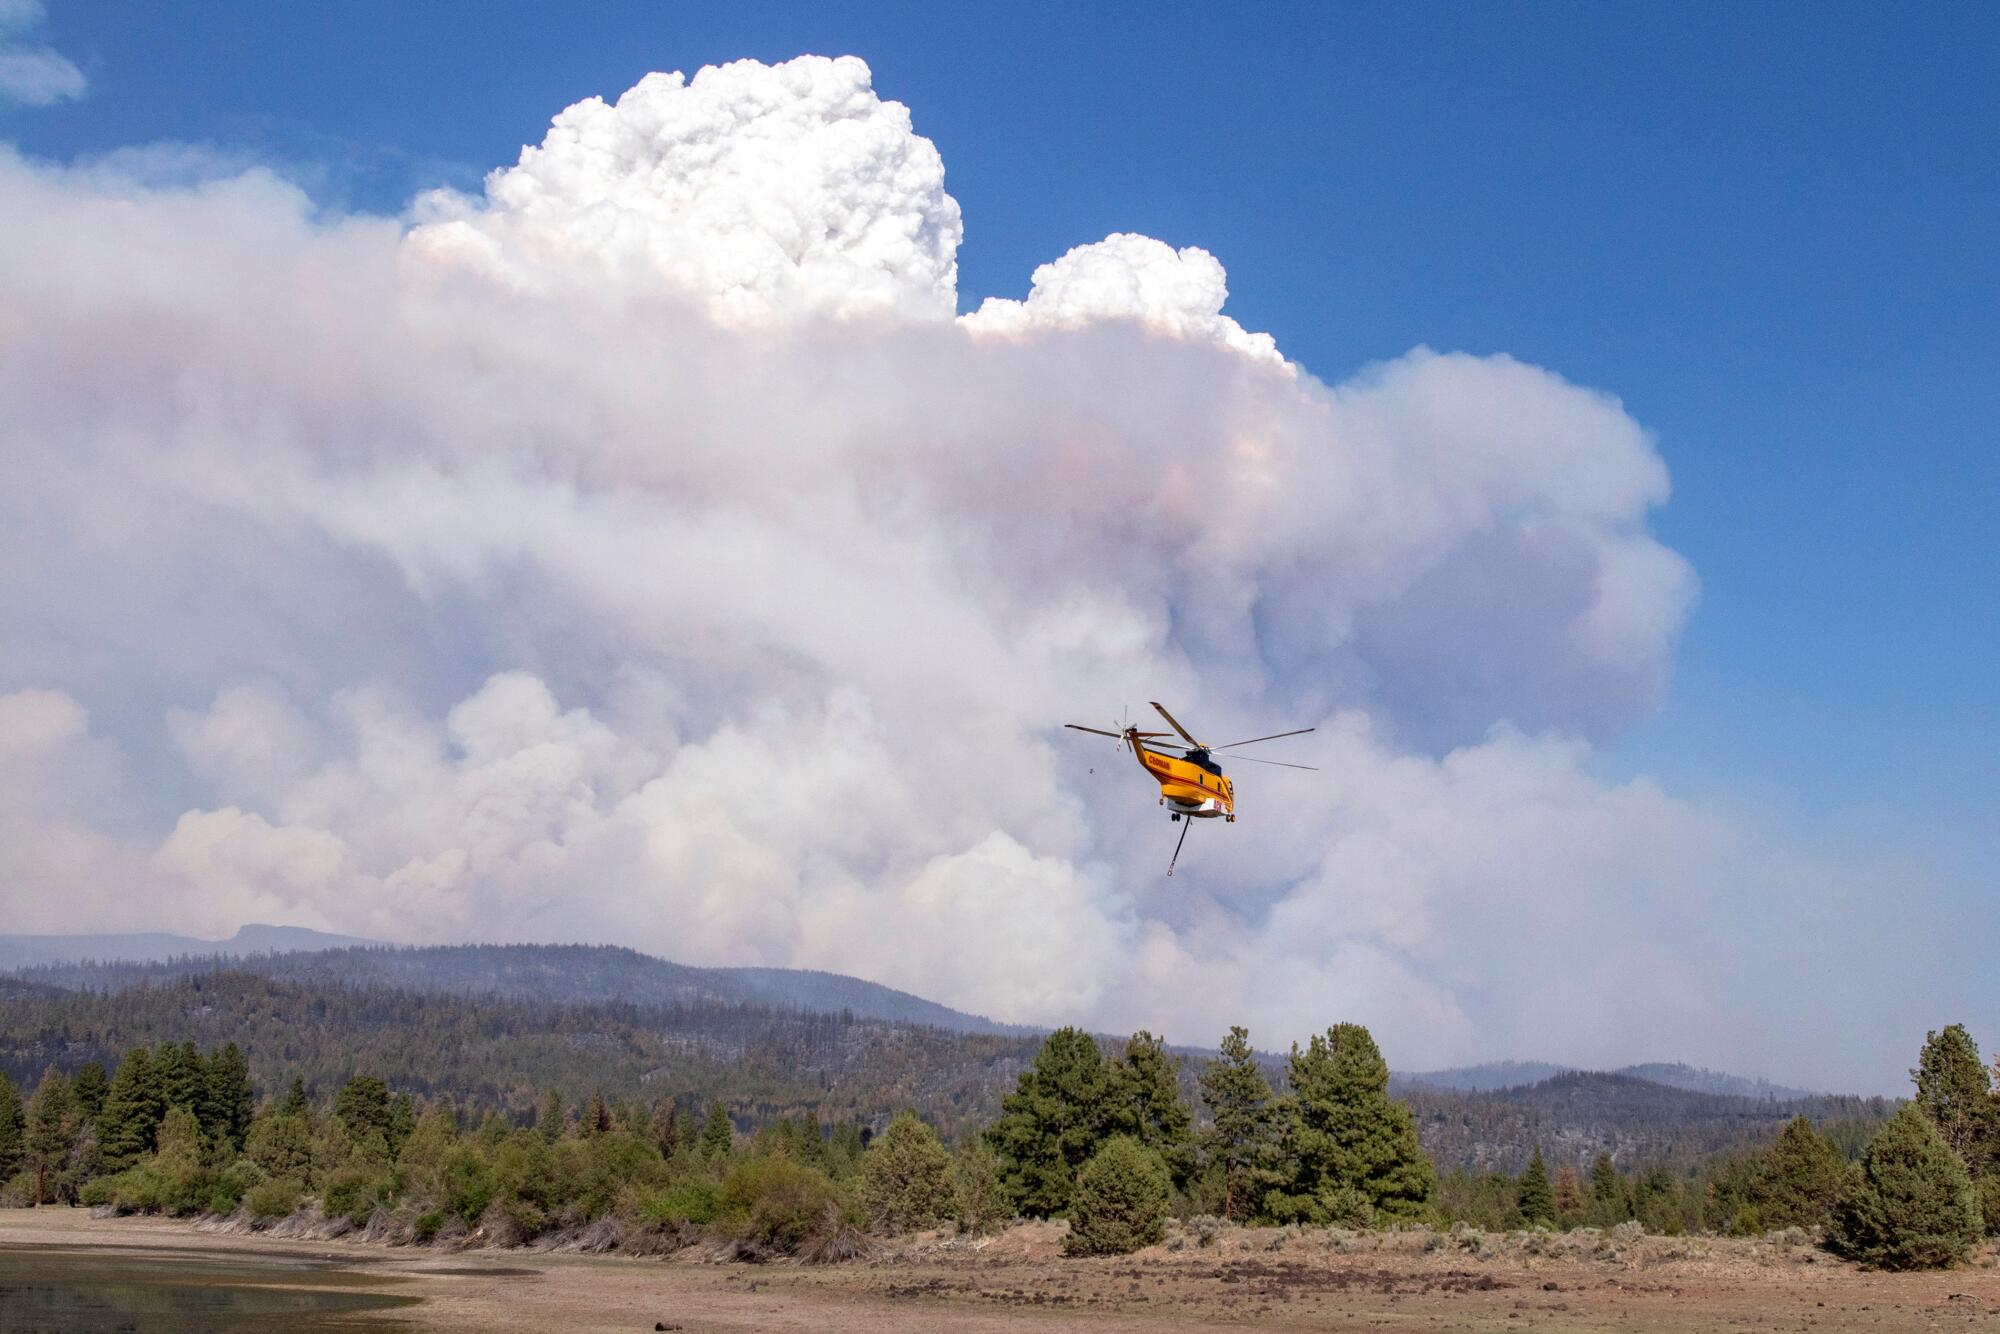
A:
x,y
1252,759
1095,731
1175,724
1273,737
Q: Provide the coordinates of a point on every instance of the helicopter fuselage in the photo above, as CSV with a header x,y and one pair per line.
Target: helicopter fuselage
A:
x,y
1194,787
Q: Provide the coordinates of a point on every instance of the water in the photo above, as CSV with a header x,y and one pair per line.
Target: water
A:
x,y
164,1290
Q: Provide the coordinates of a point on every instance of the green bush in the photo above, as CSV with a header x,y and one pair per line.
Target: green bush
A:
x,y
425,1229
906,1177
353,1193
1911,1206
689,1201
272,1199
1350,1208
780,1205
1120,1203
982,1201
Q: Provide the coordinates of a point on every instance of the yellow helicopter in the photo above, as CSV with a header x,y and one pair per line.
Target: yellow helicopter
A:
x,y
1192,784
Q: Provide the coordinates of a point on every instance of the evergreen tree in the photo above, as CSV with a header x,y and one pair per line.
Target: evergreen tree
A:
x,y
1147,1084
666,1128
1053,1121
982,1203
717,1135
51,1126
281,1143
228,1098
13,1130
1537,1201
1568,1196
906,1177
1242,1139
551,1119
363,1103
88,1090
181,1076
689,1132
1911,1206
402,1120
1607,1193
596,1116
1342,1129
130,1118
1799,1179
1956,1093
1120,1202
296,1103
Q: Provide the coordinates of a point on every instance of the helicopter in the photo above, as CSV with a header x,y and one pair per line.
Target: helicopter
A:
x,y
1192,785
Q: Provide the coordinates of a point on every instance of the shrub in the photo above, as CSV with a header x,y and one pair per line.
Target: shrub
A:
x,y
1120,1202
353,1193
1348,1207
780,1205
689,1201
272,1199
1911,1206
906,1177
981,1200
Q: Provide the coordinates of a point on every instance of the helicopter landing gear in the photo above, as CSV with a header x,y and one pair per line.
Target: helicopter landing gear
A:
x,y
1175,817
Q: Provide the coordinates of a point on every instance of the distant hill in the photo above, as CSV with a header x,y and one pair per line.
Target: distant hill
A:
x,y
567,974
1574,1115
1484,1078
27,951
1494,1076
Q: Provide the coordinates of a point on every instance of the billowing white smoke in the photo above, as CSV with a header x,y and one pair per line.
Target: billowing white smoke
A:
x,y
767,193
645,553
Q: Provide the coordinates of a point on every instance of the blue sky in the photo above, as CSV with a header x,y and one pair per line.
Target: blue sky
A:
x,y
1769,230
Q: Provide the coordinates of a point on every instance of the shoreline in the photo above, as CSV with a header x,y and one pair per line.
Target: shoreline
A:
x,y
1274,1278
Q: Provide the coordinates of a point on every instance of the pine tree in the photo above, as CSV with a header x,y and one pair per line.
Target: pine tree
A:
x,y
13,1130
1799,1179
363,1103
1052,1122
1607,1193
228,1099
296,1103
1911,1206
1120,1202
666,1128
906,1177
717,1135
1956,1093
1147,1086
181,1076
551,1120
1537,1201
88,1090
1568,1196
982,1203
1240,1102
402,1120
1342,1129
689,1131
596,1116
51,1126
130,1119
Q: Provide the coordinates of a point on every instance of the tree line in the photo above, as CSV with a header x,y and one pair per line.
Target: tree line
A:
x,y
1106,1139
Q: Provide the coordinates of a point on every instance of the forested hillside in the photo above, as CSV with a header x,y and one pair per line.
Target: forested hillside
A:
x,y
496,1042
1571,1117
571,974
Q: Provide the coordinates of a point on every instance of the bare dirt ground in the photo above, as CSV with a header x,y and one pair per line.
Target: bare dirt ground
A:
x,y
1020,1280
